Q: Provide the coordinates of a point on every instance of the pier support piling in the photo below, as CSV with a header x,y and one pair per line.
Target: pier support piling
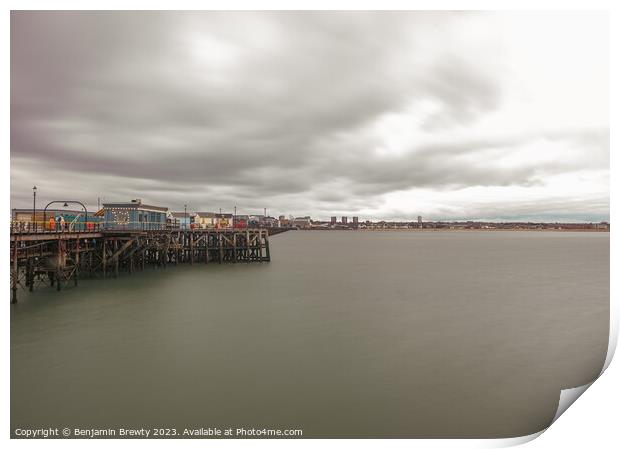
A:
x,y
64,254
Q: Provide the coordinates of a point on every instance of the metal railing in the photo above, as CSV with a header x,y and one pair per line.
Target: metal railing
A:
x,y
47,227
53,227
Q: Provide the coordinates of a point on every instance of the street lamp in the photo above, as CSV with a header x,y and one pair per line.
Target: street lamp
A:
x,y
34,204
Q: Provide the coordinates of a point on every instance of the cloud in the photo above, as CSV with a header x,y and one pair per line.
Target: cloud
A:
x,y
301,112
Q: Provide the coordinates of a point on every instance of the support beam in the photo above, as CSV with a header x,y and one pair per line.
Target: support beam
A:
x,y
191,247
77,262
89,253
14,274
104,260
267,254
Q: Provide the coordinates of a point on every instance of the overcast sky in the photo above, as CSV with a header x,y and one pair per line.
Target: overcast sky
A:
x,y
382,115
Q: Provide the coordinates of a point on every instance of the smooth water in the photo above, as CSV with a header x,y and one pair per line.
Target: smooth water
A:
x,y
343,334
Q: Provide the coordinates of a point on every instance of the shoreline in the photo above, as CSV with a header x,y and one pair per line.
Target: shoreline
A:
x,y
459,230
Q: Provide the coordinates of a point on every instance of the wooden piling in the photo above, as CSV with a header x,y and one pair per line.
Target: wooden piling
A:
x,y
59,265
94,252
221,246
14,274
191,248
206,244
235,248
104,262
115,258
267,254
77,262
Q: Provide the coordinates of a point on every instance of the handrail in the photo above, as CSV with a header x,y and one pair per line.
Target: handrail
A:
x,y
40,227
47,227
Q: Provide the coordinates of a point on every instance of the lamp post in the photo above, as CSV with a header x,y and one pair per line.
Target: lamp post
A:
x,y
185,220
34,205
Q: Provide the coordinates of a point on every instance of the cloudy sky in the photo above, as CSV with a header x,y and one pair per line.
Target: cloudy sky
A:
x,y
381,115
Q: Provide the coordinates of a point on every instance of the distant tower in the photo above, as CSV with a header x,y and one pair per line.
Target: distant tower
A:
x,y
419,221
355,221
344,220
333,220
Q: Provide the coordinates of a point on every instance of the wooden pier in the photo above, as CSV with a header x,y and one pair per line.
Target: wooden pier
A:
x,y
60,258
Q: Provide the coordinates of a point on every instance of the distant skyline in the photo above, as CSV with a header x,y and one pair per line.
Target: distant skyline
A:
x,y
381,115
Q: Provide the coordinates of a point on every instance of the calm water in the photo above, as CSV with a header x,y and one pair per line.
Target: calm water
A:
x,y
447,334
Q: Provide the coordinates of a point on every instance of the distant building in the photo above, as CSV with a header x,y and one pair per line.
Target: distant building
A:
x,y
241,221
184,219
205,220
270,222
355,221
134,215
224,221
302,222
255,220
419,221
284,222
172,222
344,220
333,220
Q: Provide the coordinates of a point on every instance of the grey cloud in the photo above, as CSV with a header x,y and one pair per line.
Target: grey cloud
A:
x,y
222,108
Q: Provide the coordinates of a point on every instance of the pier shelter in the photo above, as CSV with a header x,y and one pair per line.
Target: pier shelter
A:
x,y
134,215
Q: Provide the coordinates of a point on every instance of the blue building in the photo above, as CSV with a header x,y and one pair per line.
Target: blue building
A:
x,y
134,216
184,219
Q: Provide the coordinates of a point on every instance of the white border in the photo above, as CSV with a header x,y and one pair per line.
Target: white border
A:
x,y
592,422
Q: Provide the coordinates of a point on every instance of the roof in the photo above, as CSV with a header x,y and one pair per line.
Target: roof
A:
x,y
224,215
137,204
181,214
206,214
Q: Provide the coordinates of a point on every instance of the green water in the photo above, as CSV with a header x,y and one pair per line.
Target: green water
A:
x,y
343,334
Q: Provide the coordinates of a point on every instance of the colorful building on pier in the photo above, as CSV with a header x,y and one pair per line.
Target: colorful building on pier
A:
x,y
72,219
205,220
134,215
224,221
184,219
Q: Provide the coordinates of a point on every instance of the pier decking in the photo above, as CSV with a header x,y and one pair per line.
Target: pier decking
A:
x,y
58,258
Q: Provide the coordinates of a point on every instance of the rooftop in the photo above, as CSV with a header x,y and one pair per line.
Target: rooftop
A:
x,y
137,204
182,214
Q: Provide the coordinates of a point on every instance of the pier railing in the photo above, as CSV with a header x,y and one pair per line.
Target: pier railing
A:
x,y
40,227
53,227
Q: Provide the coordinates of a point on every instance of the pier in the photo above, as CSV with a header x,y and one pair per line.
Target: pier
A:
x,y
59,258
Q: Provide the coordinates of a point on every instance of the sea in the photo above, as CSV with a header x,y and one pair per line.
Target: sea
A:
x,y
357,334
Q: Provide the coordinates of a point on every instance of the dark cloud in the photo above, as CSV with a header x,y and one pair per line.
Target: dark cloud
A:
x,y
262,109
